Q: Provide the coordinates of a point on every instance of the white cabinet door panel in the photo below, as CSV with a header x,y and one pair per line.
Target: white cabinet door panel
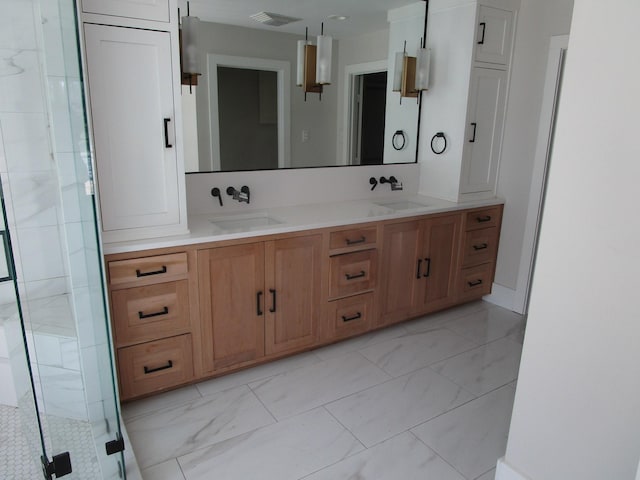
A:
x,y
131,91
484,130
157,10
494,35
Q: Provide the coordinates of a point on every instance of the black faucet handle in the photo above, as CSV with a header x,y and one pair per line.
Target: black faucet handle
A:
x,y
215,192
373,182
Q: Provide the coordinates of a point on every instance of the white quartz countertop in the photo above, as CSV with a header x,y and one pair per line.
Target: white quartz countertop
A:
x,y
249,221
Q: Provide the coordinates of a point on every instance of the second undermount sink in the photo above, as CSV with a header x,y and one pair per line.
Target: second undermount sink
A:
x,y
245,222
401,205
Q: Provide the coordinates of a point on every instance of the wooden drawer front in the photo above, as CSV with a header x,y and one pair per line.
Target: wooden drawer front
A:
x,y
475,282
354,239
353,273
148,269
351,316
155,366
485,218
147,313
480,246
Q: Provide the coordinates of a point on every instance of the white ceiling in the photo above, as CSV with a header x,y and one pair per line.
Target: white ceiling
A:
x,y
364,15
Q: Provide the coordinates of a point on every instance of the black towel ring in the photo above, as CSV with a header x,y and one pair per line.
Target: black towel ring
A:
x,y
394,142
433,139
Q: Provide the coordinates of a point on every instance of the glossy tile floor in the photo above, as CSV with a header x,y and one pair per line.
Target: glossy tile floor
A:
x,y
428,399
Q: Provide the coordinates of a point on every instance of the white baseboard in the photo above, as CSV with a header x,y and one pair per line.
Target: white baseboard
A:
x,y
502,296
504,471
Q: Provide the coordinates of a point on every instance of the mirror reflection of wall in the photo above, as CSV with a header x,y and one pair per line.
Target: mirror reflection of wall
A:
x,y
340,128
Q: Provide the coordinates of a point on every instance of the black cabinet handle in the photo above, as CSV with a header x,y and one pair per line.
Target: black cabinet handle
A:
x,y
357,275
7,254
486,218
164,311
428,262
354,317
475,283
273,300
166,133
484,28
148,370
482,246
418,269
259,303
155,272
355,242
473,138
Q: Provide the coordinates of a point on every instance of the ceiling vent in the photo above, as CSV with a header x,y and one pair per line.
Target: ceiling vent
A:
x,y
273,19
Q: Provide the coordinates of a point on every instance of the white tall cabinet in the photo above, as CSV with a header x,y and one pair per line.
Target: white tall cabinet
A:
x,y
471,42
132,69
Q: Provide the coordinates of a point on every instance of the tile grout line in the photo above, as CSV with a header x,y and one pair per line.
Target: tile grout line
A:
x,y
439,456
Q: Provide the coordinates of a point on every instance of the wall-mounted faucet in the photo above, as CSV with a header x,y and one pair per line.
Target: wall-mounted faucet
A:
x,y
242,195
393,181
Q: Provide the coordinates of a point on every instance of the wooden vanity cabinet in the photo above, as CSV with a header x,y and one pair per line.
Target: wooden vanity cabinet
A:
x,y
259,299
418,267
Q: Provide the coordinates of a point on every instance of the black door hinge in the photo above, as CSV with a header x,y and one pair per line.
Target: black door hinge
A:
x,y
115,446
59,466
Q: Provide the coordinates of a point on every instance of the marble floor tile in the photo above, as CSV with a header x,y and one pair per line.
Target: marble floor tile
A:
x,y
488,325
471,437
287,450
401,457
169,470
257,373
484,368
411,352
309,387
362,341
441,318
177,430
385,410
146,406
490,475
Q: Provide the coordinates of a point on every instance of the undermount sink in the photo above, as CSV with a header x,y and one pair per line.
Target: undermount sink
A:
x,y
245,222
402,205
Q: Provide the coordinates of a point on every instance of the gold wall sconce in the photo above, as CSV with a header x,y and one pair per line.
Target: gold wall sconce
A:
x,y
411,74
314,63
190,67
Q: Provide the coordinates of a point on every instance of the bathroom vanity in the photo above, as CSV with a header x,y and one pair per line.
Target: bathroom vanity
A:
x,y
234,293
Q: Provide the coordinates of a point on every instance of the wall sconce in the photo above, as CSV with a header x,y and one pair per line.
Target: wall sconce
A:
x,y
189,58
411,74
314,63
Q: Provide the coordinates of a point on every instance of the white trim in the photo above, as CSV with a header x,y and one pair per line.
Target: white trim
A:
x,y
503,297
504,471
547,114
349,72
283,69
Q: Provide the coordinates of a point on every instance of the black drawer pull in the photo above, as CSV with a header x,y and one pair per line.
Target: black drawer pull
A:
x,y
486,218
475,283
357,275
259,303
475,127
164,311
482,246
418,269
354,317
428,261
273,300
166,133
484,28
148,370
355,242
156,272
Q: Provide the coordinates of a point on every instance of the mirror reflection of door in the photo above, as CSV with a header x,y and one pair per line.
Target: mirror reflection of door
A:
x,y
248,113
367,122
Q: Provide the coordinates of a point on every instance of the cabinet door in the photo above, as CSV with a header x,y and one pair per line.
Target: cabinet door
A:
x,y
157,10
293,299
231,284
132,110
484,131
494,35
400,269
440,246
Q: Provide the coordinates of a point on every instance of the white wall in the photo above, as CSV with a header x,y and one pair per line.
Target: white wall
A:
x,y
576,412
537,21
